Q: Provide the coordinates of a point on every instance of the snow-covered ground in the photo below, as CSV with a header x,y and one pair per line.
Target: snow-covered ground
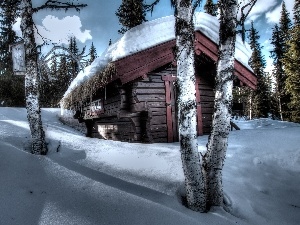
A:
x,y
91,181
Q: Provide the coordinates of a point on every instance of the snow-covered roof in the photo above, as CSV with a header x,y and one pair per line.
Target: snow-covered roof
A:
x,y
161,30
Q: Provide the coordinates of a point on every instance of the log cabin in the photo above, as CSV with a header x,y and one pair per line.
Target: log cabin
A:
x,y
129,92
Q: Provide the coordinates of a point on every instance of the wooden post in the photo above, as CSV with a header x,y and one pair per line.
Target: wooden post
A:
x,y
168,79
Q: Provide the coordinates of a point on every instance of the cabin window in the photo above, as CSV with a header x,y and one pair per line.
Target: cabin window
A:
x,y
93,109
97,105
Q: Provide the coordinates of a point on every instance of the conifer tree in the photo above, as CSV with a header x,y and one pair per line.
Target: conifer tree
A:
x,y
279,40
11,87
73,64
131,13
92,53
261,107
63,80
211,8
8,36
291,63
45,87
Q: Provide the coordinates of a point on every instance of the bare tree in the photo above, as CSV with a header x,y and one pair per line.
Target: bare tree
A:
x,y
31,75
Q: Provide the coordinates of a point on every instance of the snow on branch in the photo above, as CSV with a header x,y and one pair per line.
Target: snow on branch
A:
x,y
57,5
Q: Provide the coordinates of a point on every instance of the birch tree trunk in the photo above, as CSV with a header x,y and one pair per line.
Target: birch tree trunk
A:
x,y
194,179
32,80
218,140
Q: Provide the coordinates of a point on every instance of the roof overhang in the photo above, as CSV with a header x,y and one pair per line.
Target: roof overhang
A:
x,y
137,65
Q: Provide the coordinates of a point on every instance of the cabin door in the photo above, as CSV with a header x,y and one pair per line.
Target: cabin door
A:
x,y
171,108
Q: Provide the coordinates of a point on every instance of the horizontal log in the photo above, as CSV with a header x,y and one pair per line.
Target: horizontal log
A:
x,y
206,98
205,87
209,93
158,120
156,105
151,98
158,127
161,134
150,85
158,111
160,140
207,110
207,104
150,91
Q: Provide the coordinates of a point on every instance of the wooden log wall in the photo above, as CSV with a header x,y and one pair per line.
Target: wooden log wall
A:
x,y
207,104
150,92
109,125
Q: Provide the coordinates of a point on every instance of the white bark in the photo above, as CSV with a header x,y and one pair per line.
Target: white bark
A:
x,y
194,179
31,80
218,140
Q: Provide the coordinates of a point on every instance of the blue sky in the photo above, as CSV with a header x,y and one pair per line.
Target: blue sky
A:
x,y
97,22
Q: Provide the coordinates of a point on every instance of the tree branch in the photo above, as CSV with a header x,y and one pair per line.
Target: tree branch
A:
x,y
196,4
57,5
244,16
150,7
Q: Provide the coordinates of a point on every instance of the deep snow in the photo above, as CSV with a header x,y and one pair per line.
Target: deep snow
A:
x,y
92,181
161,30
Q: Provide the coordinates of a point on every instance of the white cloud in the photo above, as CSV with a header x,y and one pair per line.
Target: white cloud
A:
x,y
269,65
274,16
58,31
259,8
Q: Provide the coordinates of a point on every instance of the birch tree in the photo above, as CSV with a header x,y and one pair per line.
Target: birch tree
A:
x,y
218,139
184,31
31,75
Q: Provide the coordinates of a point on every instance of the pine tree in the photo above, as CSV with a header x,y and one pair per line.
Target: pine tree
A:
x,y
63,79
131,13
92,53
277,71
291,63
211,8
48,92
44,88
73,64
8,9
279,40
11,87
261,107
242,95
285,25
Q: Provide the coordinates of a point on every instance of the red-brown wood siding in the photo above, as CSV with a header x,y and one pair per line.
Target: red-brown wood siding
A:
x,y
208,47
199,108
168,79
136,65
